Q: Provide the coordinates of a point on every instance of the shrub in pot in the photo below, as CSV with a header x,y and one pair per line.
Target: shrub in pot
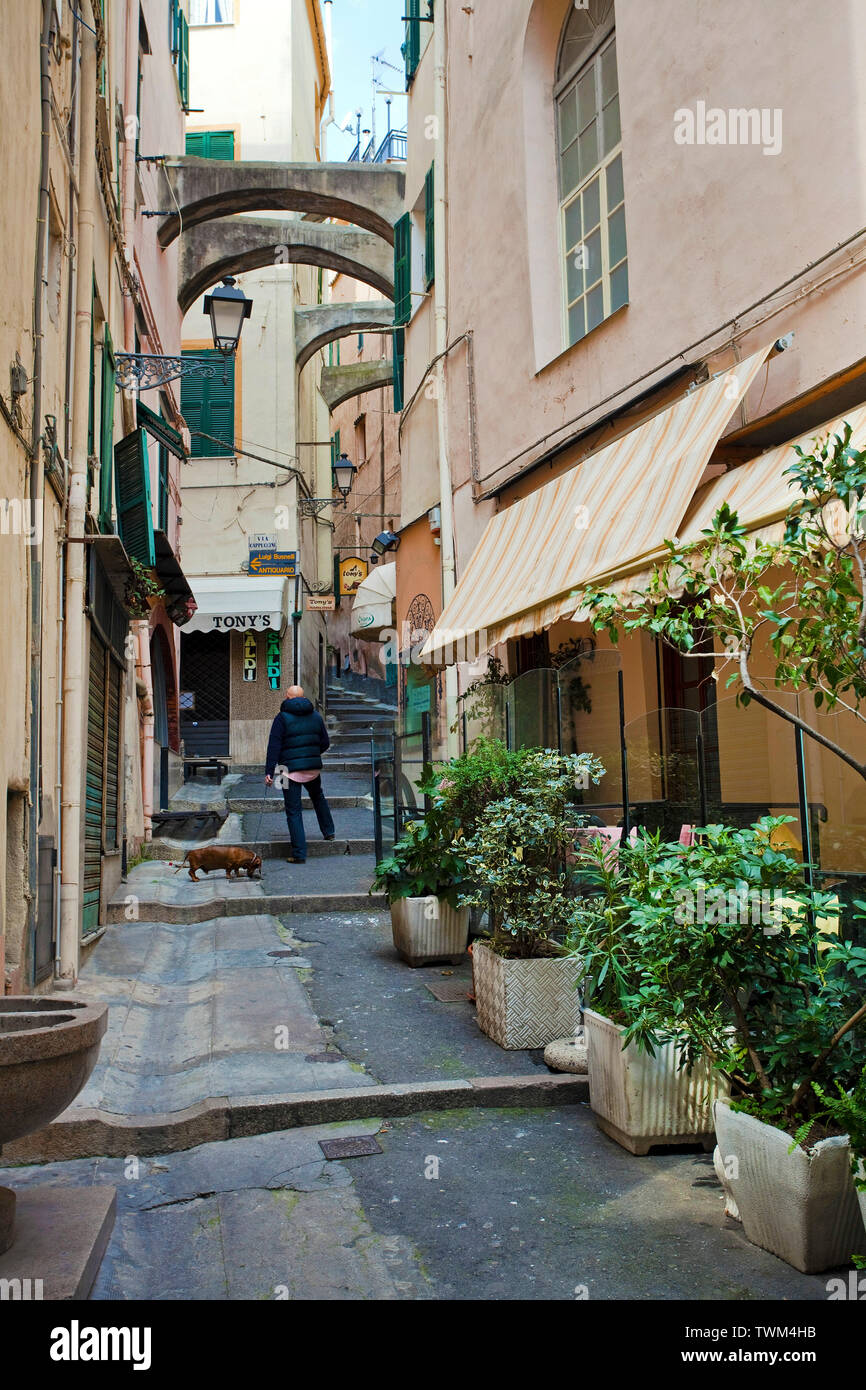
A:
x,y
641,1092
422,878
737,968
525,983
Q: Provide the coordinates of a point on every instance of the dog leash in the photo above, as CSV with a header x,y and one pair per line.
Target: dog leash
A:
x,y
257,843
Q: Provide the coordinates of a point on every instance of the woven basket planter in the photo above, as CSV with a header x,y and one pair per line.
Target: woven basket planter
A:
x,y
801,1206
641,1101
525,1003
428,929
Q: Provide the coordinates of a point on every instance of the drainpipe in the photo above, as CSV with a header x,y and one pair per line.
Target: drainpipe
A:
x,y
35,489
74,693
130,107
440,310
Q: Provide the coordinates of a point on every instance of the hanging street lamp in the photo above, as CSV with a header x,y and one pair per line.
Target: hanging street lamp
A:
x,y
228,308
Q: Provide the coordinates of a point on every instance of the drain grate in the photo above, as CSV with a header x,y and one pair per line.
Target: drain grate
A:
x,y
281,954
324,1057
449,991
349,1148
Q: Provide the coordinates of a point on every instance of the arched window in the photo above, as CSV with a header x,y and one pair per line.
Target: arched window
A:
x,y
589,140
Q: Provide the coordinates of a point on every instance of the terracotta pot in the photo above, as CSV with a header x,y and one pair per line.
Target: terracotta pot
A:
x,y
801,1206
525,1003
641,1101
428,929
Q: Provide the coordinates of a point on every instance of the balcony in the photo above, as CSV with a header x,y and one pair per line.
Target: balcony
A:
x,y
392,150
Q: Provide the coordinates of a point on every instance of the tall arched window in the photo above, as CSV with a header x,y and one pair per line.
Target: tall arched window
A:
x,y
592,210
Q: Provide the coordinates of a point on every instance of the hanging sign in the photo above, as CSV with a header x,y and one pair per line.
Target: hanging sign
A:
x,y
321,603
250,657
274,562
353,571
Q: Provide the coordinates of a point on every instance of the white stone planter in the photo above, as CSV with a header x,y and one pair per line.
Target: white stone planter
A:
x,y
525,1003
641,1100
801,1206
428,929
861,1196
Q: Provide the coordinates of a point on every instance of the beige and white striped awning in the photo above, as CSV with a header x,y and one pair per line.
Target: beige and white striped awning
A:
x,y
758,491
612,511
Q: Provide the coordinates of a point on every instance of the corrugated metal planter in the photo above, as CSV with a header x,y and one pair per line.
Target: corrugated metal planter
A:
x,y
641,1101
428,929
800,1206
525,1003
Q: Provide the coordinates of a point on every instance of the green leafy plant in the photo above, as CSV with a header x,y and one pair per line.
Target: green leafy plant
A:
x,y
481,701
421,865
721,947
140,588
803,599
516,857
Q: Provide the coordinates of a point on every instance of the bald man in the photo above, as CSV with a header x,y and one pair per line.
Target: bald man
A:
x,y
295,747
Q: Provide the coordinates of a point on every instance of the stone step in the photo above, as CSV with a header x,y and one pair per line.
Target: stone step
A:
x,y
245,805
274,847
276,904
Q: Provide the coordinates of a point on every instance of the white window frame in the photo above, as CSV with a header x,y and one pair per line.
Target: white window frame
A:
x,y
211,23
591,60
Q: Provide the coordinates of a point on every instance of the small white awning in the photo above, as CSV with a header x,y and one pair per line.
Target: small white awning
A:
x,y
373,609
236,603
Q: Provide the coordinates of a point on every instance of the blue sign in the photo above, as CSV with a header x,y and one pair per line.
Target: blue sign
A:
x,y
283,562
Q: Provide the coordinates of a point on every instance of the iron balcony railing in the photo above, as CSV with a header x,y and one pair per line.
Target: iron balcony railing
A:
x,y
392,148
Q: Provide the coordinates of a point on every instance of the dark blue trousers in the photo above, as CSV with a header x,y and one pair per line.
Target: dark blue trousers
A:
x,y
292,793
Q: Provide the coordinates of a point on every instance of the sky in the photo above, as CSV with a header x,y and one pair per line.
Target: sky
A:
x,y
363,28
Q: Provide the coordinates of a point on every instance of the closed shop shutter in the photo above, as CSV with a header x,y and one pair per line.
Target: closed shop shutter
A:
x,y
94,786
112,757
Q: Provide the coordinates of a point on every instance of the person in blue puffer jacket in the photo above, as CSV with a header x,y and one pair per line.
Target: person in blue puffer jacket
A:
x,y
297,741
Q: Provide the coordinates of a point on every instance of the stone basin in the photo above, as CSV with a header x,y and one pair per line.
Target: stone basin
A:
x,y
48,1048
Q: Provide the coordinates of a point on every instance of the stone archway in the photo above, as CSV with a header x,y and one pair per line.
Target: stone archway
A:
x,y
232,245
366,195
321,324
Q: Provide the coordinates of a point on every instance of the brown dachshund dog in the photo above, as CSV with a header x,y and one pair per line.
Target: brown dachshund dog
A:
x,y
229,857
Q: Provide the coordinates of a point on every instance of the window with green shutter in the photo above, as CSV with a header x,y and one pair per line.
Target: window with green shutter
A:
x,y
178,31
208,406
132,486
335,448
429,228
106,450
412,44
399,368
403,270
211,144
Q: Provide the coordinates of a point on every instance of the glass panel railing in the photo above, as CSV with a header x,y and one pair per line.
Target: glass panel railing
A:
x,y
837,803
532,710
664,784
482,715
590,719
750,766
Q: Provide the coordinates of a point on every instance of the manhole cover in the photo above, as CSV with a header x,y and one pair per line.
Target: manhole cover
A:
x,y
349,1148
324,1057
448,991
282,953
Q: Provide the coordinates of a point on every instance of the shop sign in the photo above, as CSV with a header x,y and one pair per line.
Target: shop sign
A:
x,y
250,661
321,603
353,572
284,562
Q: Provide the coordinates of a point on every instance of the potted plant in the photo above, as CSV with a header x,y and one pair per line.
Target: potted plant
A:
x,y
143,590
738,967
525,983
640,1091
422,878
847,1109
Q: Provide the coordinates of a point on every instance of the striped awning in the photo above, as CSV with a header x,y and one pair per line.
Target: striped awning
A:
x,y
612,511
760,494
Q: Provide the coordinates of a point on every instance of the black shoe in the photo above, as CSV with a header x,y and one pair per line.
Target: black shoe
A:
x,y
330,837
296,861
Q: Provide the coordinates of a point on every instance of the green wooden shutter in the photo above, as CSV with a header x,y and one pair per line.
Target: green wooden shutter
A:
x,y
429,228
403,270
132,479
183,59
106,451
208,405
211,144
399,355
412,45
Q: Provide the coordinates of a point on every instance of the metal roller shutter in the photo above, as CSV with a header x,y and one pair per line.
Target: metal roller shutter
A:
x,y
94,786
